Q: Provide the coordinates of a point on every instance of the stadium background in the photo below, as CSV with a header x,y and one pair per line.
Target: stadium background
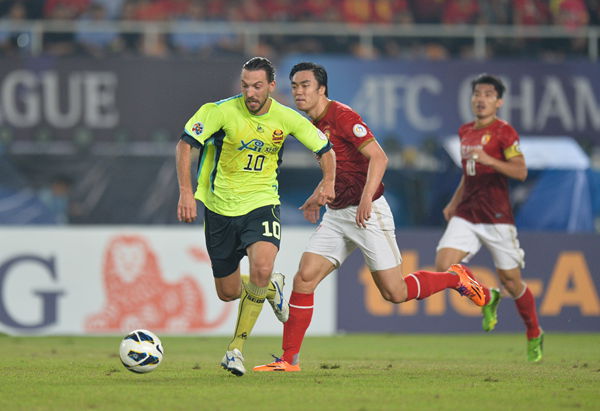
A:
x,y
93,96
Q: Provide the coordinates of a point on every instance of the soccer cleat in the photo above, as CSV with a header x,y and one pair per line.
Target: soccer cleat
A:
x,y
277,365
490,310
467,285
535,348
281,308
233,361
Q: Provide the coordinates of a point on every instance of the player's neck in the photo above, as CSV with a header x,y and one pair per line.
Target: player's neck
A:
x,y
485,121
319,110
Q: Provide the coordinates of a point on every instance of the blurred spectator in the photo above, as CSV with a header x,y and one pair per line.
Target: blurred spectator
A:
x,y
13,42
114,8
95,43
530,12
56,197
62,43
427,11
70,8
460,12
594,11
495,11
318,10
198,43
571,14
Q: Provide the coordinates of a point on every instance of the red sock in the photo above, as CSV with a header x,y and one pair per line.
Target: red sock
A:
x,y
422,284
301,310
526,307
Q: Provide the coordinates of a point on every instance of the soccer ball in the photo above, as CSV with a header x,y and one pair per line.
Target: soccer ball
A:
x,y
141,351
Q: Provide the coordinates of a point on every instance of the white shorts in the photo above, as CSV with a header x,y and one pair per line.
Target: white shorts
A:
x,y
500,239
338,235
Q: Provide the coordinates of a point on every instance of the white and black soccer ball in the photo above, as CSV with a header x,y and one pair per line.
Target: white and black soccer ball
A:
x,y
141,351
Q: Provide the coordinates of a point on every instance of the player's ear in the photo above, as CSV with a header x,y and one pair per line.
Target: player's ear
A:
x,y
499,103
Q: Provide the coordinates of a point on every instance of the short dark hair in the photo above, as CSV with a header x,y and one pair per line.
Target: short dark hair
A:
x,y
489,79
261,63
318,70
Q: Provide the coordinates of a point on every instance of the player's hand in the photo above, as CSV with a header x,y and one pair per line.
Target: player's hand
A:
x,y
480,156
448,212
363,212
325,193
311,213
186,207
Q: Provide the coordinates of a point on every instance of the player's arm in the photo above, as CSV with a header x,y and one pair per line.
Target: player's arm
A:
x,y
450,208
207,120
186,207
324,193
514,167
377,165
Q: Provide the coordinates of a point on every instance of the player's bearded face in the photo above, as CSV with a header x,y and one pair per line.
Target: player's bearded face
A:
x,y
256,90
484,101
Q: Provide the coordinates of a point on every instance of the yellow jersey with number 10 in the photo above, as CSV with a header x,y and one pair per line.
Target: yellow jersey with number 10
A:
x,y
240,153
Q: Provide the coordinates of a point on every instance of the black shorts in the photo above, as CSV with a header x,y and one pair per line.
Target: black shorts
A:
x,y
228,237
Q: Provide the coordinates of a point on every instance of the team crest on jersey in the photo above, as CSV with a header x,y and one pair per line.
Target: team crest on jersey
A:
x,y
359,130
277,136
198,128
485,139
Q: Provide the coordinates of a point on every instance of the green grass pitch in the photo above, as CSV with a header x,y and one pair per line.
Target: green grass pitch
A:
x,y
349,372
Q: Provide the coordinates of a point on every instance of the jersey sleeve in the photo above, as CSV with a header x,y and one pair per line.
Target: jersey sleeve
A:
x,y
204,123
510,143
354,130
310,136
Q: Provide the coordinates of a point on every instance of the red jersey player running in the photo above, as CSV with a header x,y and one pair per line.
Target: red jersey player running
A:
x,y
359,217
480,212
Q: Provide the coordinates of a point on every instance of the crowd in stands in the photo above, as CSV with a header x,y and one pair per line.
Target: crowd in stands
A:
x,y
571,14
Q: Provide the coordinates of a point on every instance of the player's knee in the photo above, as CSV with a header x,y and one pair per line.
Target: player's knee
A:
x,y
261,273
393,297
227,296
305,282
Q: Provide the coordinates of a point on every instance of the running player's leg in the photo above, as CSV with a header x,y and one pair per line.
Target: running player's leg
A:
x,y
313,269
379,247
459,244
525,302
509,258
326,249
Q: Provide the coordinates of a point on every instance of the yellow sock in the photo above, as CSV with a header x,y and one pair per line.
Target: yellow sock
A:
x,y
270,292
251,303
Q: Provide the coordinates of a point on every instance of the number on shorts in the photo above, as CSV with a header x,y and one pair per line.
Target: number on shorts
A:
x,y
276,232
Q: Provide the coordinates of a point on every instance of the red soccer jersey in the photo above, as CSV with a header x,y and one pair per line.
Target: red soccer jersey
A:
x,y
348,133
485,194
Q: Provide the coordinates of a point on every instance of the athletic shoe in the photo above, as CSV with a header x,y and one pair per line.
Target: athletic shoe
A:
x,y
233,361
535,348
277,365
281,308
490,310
467,285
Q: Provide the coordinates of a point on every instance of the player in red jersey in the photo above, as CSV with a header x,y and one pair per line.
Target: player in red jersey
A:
x,y
359,217
480,212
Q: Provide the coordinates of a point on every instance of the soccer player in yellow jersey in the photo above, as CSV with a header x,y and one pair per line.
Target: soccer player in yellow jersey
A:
x,y
240,141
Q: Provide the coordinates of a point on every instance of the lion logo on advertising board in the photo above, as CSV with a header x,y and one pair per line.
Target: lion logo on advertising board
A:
x,y
137,295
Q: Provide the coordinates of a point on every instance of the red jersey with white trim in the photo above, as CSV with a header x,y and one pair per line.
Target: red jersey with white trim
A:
x,y
348,133
485,193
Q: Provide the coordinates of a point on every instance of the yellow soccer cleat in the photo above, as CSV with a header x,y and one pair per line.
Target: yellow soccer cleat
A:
x,y
467,285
